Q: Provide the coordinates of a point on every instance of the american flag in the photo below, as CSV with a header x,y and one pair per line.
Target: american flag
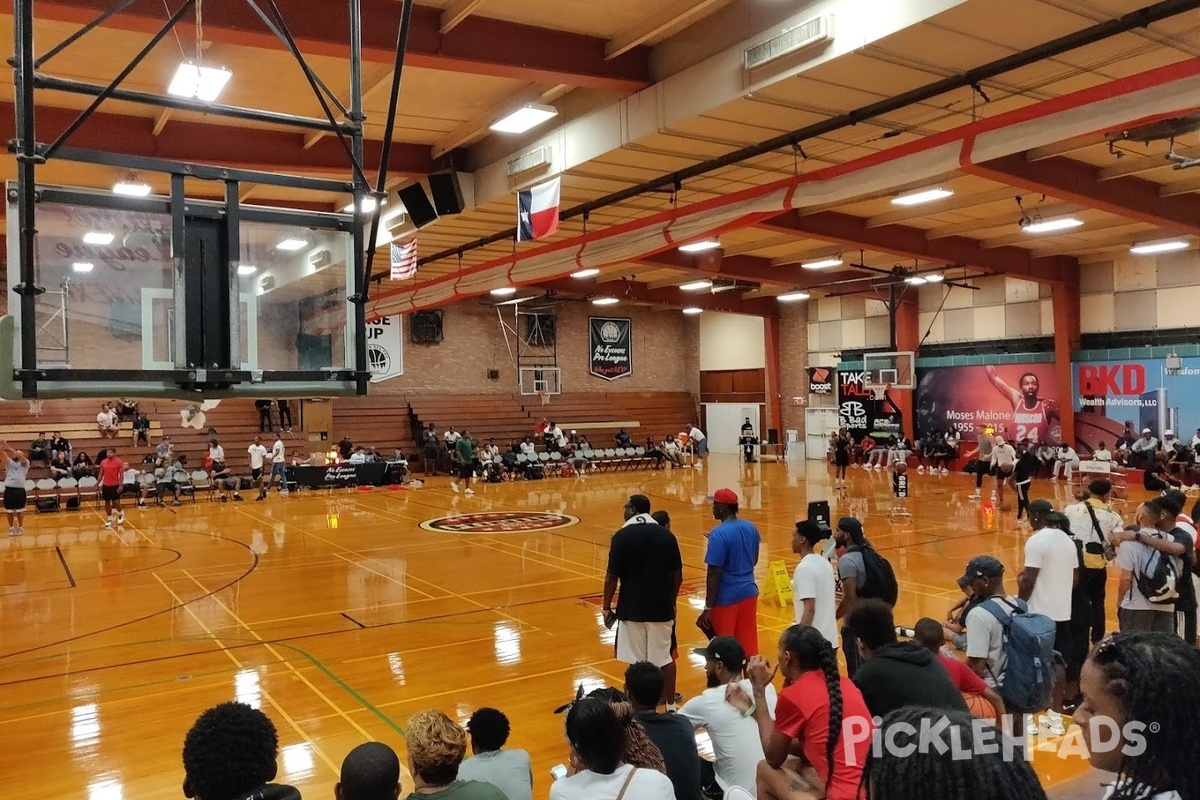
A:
x,y
404,260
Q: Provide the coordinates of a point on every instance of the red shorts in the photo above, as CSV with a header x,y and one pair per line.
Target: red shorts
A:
x,y
740,621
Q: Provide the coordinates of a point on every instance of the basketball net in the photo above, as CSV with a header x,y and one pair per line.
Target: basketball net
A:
x,y
545,395
880,390
35,407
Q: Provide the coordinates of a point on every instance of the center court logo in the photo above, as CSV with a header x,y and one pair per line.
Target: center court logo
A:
x,y
500,522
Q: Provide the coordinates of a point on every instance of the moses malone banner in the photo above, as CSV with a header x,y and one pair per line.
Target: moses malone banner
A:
x,y
610,345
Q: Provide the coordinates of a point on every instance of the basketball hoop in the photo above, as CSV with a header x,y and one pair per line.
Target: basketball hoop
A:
x,y
35,407
879,390
545,395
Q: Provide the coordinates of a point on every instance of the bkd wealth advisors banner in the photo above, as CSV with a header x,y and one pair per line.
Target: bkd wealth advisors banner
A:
x,y
1018,401
1110,395
610,341
860,413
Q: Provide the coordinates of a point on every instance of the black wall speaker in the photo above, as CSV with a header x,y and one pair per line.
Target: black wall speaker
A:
x,y
493,374
426,327
447,194
417,204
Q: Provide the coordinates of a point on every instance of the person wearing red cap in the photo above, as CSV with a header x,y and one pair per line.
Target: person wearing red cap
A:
x,y
731,596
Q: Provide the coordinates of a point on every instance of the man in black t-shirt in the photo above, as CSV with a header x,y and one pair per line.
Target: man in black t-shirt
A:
x,y
644,560
672,734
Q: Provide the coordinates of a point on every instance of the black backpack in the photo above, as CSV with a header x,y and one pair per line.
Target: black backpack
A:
x,y
1158,579
880,582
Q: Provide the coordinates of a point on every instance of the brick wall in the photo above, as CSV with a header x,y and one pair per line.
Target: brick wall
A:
x,y
793,363
666,354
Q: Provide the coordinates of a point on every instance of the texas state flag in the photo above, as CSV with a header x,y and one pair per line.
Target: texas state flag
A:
x,y
537,211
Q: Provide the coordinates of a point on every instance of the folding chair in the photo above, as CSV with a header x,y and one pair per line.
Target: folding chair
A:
x,y
88,486
641,458
201,480
69,485
46,487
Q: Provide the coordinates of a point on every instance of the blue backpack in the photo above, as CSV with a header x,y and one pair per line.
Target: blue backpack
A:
x,y
1028,678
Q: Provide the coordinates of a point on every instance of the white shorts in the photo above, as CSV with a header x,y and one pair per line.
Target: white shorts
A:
x,y
644,641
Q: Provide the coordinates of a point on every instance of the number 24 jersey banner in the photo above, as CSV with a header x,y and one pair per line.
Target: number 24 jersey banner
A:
x,y
1016,401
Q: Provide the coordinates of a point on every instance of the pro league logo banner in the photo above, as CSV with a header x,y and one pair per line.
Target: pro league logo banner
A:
x,y
1111,396
610,342
860,413
1018,401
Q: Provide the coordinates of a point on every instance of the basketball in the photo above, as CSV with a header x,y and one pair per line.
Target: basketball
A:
x,y
979,706
900,467
1006,469
1005,507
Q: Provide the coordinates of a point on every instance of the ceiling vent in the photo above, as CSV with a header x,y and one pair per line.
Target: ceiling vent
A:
x,y
808,34
541,157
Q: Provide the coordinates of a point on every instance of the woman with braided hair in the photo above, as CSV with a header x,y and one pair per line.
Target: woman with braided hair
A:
x,y
1145,688
912,756
819,714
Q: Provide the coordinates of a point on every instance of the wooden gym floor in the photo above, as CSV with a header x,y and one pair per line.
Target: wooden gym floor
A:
x,y
340,617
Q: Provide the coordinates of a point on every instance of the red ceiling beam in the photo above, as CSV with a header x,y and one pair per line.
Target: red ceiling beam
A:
x,y
478,45
222,145
1128,196
729,302
910,242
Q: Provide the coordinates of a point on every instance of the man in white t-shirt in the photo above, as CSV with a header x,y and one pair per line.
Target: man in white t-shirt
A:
x,y
1065,462
1046,585
1102,453
106,422
278,467
736,743
258,456
698,440
1092,524
813,583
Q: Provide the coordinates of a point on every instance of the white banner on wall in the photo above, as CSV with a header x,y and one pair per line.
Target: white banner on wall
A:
x,y
385,348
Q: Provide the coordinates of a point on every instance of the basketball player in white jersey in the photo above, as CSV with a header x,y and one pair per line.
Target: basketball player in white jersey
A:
x,y
1033,418
1004,459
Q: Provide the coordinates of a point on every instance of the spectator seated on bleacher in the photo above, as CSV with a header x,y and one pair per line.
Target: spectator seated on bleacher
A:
x,y
527,447
370,771
60,467
622,438
509,463
39,450
125,409
57,442
436,746
171,479
164,452
106,421
83,466
511,771
141,430
230,753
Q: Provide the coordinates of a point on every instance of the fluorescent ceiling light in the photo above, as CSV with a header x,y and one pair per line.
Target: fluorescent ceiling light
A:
x,y
1049,225
605,301
693,310
83,266
923,196
789,297
98,237
700,247
696,286
915,280
503,291
131,188
246,269
585,273
201,83
292,245
1149,248
934,278
824,263
368,205
524,118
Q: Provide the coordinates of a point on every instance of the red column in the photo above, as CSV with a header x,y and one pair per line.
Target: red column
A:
x,y
774,401
908,336
1065,302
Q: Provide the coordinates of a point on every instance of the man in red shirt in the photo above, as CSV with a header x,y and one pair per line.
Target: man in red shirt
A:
x,y
929,633
111,471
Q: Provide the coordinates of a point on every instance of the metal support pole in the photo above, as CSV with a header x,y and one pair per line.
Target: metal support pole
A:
x,y
358,296
892,305
27,160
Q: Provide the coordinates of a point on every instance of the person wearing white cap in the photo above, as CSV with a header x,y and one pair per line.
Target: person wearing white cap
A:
x,y
1169,441
1066,461
1142,451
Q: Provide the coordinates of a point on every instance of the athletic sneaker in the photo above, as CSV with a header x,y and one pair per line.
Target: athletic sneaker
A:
x,y
1053,722
237,498
108,523
261,497
120,517
921,470
14,531
454,487
469,491
974,496
945,471
20,531
176,503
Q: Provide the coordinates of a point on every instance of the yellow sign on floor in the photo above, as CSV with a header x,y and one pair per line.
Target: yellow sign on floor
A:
x,y
778,584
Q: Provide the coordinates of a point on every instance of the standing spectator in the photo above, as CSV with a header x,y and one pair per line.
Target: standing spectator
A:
x,y
731,594
1093,523
511,771
39,449
841,457
930,634
863,573
983,464
278,468
16,472
1138,562
285,415
1004,460
229,754
465,449
430,450
265,424
598,770
737,746
1153,679
1181,533
112,470
816,710
985,633
106,422
644,562
893,673
436,746
1046,584
258,456
698,440
747,440
370,771
814,586
346,448
670,672
1023,472
671,733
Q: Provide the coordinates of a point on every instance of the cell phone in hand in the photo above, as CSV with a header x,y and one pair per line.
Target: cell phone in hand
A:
x,y
558,771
